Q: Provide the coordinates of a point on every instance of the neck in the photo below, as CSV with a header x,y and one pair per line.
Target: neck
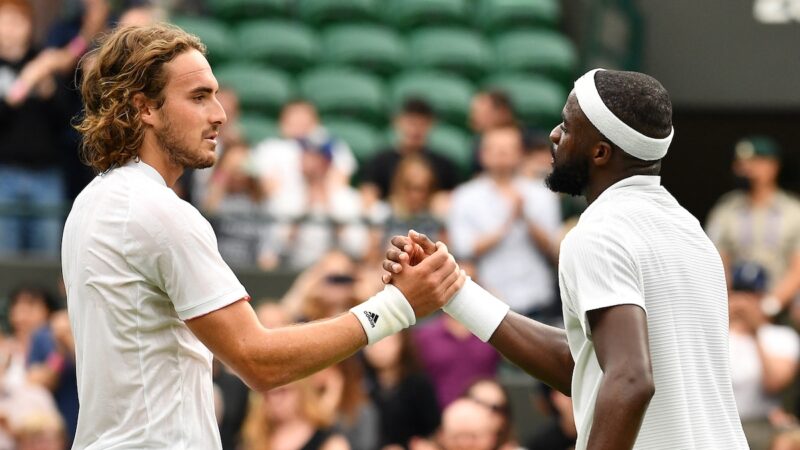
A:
x,y
502,178
595,189
151,154
762,194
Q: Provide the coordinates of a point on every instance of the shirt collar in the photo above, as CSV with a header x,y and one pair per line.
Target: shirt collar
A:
x,y
147,170
636,181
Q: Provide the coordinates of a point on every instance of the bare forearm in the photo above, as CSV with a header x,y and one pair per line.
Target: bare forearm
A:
x,y
539,349
619,411
488,242
275,357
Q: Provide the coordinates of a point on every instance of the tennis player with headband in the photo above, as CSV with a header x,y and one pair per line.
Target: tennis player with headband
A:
x,y
645,351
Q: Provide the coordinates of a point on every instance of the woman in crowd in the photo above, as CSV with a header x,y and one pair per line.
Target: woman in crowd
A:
x,y
489,393
404,396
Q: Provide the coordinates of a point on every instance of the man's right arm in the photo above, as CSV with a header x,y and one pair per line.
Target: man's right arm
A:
x,y
539,349
266,358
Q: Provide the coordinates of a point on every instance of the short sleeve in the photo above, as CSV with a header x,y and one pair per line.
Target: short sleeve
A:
x,y
174,247
462,232
597,271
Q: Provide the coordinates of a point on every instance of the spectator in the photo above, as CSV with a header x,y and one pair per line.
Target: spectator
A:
x,y
324,290
508,225
467,425
489,110
232,405
760,223
558,432
31,182
491,394
453,357
411,124
236,206
404,396
42,431
764,358
29,310
51,364
343,397
279,161
288,418
317,215
410,201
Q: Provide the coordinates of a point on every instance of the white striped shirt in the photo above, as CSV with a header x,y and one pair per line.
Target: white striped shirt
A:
x,y
636,245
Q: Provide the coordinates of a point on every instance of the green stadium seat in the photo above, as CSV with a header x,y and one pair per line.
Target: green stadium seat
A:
x,y
449,95
537,51
319,12
453,143
289,45
256,127
413,13
214,34
457,50
236,10
373,48
363,139
537,100
259,89
344,91
496,15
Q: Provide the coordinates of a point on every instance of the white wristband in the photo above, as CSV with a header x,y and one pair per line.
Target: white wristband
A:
x,y
384,314
477,309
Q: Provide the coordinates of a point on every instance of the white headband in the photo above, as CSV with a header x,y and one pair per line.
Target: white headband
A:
x,y
631,141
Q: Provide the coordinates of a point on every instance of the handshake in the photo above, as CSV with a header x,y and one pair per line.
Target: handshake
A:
x,y
422,277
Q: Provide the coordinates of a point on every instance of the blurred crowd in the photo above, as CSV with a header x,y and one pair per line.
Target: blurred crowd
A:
x,y
302,201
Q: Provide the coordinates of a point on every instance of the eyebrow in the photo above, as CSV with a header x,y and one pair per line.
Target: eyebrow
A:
x,y
201,90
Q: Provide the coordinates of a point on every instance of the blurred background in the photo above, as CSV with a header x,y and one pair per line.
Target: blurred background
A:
x,y
350,121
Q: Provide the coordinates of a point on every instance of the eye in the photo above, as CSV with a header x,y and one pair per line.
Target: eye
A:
x,y
563,128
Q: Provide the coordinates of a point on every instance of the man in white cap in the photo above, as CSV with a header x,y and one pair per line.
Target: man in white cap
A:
x,y
645,351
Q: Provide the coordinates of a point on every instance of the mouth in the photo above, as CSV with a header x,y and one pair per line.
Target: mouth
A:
x,y
211,137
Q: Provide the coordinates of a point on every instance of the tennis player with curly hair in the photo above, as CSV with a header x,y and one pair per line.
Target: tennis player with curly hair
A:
x,y
148,293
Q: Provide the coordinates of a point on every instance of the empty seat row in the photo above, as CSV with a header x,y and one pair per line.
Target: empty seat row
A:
x,y
381,50
487,14
347,92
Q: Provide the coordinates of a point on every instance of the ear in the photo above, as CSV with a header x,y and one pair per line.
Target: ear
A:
x,y
146,108
601,153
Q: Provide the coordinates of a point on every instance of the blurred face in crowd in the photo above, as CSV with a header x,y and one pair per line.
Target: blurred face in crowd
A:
x,y
186,126
412,131
481,113
570,173
467,425
501,151
337,288
28,312
759,170
385,354
490,394
283,403
15,32
414,187
314,165
298,120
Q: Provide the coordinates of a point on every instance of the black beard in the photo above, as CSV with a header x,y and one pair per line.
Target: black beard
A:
x,y
570,177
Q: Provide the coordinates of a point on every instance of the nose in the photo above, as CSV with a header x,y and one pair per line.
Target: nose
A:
x,y
555,134
218,115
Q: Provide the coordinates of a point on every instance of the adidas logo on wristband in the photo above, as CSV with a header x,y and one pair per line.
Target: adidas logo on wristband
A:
x,y
372,318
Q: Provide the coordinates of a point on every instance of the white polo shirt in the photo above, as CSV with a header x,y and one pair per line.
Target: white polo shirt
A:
x,y
137,262
636,245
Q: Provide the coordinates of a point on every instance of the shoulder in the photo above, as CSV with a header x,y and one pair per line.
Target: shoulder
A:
x,y
729,200
584,239
158,212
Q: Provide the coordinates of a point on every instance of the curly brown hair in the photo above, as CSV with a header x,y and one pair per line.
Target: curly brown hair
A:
x,y
129,60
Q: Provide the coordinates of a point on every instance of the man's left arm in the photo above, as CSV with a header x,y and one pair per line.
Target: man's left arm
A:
x,y
620,339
